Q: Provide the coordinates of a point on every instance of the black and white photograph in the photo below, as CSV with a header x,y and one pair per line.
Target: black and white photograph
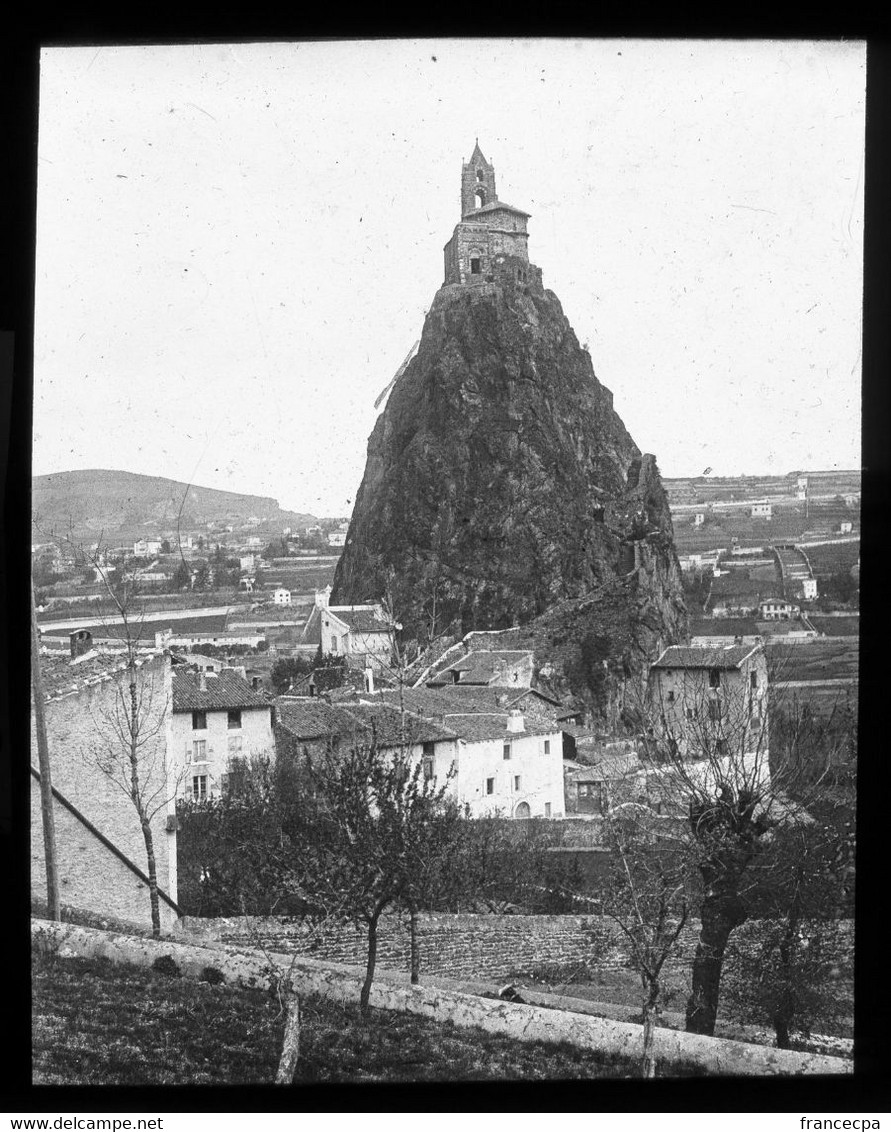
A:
x,y
445,561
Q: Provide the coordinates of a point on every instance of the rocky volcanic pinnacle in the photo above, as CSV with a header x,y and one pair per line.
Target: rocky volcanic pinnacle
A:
x,y
502,489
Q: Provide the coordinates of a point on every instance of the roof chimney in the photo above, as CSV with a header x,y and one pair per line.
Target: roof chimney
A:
x,y
202,682
515,721
369,678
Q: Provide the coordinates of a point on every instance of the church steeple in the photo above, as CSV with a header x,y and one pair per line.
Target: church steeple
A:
x,y
477,182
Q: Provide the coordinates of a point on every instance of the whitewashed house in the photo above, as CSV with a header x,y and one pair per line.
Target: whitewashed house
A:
x,y
218,723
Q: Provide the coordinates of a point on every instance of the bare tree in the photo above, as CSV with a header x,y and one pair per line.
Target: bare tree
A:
x,y
649,898
362,826
128,746
705,747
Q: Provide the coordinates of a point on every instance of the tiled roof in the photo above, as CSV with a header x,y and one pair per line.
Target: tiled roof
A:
x,y
63,676
477,727
360,620
390,725
436,702
312,630
472,713
678,657
225,691
480,667
494,205
315,719
312,718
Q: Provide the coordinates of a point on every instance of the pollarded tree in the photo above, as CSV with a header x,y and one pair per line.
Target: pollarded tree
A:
x,y
707,756
790,975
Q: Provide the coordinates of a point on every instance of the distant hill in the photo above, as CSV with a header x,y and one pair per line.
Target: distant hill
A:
x,y
124,503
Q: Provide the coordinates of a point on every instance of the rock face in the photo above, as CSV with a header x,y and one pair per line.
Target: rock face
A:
x,y
502,489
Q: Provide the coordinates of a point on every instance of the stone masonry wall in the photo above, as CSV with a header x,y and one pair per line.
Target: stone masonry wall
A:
x,y
91,877
468,946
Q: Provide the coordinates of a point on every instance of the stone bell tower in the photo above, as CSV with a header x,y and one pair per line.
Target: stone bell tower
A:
x,y
477,183
489,243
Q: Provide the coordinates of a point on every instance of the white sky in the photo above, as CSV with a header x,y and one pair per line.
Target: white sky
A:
x,y
237,244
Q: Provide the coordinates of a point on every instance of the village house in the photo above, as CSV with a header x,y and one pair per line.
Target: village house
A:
x,y
712,702
809,589
507,761
593,789
699,519
762,510
845,527
100,848
219,724
281,596
361,633
777,610
337,538
310,727
147,548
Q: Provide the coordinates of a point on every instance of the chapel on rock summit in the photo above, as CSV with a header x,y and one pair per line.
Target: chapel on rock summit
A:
x,y
489,245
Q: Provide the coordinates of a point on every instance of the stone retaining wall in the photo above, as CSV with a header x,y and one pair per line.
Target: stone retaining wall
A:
x,y
523,1023
470,946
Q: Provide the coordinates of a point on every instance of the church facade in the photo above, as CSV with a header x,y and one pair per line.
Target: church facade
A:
x,y
489,245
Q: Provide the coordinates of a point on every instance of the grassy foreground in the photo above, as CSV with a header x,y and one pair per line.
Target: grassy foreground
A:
x,y
95,1023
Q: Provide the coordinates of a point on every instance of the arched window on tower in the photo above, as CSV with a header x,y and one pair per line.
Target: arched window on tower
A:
x,y
480,175
480,198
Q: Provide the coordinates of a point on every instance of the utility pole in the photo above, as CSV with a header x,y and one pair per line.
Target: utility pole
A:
x,y
46,784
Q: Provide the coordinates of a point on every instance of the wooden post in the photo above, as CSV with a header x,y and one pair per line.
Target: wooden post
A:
x,y
46,784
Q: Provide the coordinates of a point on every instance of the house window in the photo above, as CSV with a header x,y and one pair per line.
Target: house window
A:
x,y
490,785
474,266
199,750
517,779
714,678
547,809
334,644
714,709
506,749
753,679
670,696
479,174
199,787
234,746
547,746
480,198
199,720
234,719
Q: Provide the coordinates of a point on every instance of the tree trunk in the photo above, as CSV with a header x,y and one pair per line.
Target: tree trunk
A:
x,y
287,1063
415,951
785,1009
720,915
369,969
153,877
781,1029
648,1061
